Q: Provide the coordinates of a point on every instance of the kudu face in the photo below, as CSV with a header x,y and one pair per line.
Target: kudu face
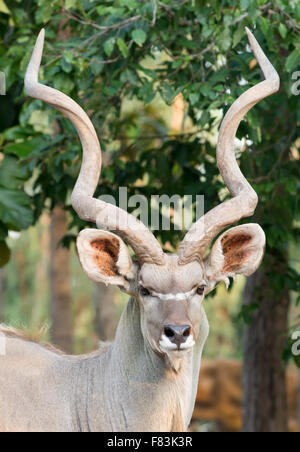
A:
x,y
171,298
170,294
169,288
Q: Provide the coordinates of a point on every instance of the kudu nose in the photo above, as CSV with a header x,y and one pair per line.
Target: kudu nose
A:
x,y
177,334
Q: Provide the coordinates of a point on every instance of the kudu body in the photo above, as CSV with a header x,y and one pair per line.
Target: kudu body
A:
x,y
146,380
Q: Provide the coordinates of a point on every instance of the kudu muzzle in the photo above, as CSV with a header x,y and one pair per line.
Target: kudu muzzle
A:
x,y
177,334
177,327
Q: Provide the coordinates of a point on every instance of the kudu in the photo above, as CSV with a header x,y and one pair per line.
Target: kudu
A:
x,y
146,380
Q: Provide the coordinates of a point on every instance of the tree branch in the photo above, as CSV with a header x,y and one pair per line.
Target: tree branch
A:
x,y
100,27
154,13
244,16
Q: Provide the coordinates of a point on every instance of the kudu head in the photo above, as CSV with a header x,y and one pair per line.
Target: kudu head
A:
x,y
169,288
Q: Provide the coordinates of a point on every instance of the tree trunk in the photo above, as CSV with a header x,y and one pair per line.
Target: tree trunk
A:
x,y
61,315
21,263
106,320
264,377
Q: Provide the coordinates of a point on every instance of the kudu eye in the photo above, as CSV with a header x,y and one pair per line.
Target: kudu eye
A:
x,y
145,292
200,290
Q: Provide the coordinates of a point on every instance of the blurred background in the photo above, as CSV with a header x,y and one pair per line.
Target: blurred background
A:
x,y
156,78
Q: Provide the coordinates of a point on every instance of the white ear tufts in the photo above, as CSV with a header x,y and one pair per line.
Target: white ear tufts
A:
x,y
227,283
124,262
225,280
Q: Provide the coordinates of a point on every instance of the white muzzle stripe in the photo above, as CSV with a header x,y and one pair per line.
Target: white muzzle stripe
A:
x,y
167,346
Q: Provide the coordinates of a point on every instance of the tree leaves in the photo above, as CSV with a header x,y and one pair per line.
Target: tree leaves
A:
x,y
15,205
44,12
238,36
139,36
12,173
113,57
15,209
70,4
109,46
22,150
123,47
283,30
293,60
167,93
4,254
244,4
3,8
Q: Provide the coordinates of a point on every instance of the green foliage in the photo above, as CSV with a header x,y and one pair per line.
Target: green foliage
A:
x,y
15,204
4,254
105,53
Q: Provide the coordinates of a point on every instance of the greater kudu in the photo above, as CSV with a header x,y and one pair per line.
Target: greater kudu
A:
x,y
146,380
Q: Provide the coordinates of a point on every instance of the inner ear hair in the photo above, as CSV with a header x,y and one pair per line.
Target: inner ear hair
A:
x,y
234,251
231,242
238,251
106,255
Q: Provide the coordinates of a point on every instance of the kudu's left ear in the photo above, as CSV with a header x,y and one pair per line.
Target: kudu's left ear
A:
x,y
105,257
238,251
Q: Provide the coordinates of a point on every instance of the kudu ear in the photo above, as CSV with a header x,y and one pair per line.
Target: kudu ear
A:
x,y
105,257
238,251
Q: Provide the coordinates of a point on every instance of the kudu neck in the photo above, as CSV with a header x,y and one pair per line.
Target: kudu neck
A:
x,y
131,388
129,342
147,395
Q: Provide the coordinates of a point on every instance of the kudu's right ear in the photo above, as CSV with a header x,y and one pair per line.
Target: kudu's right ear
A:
x,y
238,251
105,257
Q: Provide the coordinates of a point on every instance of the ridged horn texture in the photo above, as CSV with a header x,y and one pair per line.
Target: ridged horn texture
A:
x,y
244,199
105,215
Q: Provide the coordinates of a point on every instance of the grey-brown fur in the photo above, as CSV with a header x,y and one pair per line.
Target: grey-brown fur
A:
x,y
127,387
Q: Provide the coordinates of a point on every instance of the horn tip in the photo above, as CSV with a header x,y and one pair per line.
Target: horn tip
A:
x,y
31,76
41,38
267,68
251,37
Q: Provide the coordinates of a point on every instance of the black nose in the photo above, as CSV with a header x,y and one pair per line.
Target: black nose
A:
x,y
177,334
